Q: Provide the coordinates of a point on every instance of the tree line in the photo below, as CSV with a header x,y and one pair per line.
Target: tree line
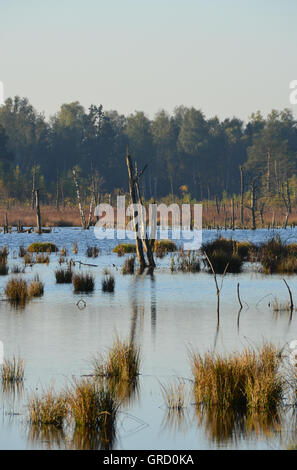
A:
x,y
187,155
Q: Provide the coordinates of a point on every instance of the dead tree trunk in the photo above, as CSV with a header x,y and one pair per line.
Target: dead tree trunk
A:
x,y
81,211
146,241
38,218
253,203
58,192
232,214
139,246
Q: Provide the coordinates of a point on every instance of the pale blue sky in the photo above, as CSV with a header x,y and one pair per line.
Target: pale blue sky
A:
x,y
226,57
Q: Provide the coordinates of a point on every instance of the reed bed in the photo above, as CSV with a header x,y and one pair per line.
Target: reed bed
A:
x,y
84,282
64,276
276,257
122,361
13,371
124,248
48,409
249,380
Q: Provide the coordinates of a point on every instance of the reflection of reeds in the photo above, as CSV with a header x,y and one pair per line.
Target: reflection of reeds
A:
x,y
224,426
52,436
12,370
249,380
108,282
178,421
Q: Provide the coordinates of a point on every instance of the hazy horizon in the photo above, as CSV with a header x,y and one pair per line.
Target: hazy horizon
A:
x,y
227,58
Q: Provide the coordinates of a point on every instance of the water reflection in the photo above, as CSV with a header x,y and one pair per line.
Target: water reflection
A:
x,y
47,436
223,427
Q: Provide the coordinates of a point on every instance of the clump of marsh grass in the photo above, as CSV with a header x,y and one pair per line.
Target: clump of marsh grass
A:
x,y
48,409
92,405
129,265
92,251
174,395
75,248
12,371
63,252
186,262
16,290
247,381
276,257
42,247
124,248
222,252
122,361
163,247
108,282
64,276
42,259
4,252
83,282
28,259
36,288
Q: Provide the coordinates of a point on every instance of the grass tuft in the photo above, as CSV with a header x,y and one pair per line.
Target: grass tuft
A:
x,y
12,371
48,409
83,282
129,265
249,380
42,247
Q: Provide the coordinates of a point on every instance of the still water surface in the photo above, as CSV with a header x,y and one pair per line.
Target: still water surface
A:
x,y
171,314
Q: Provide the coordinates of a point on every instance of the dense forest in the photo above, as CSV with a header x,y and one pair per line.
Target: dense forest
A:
x,y
188,155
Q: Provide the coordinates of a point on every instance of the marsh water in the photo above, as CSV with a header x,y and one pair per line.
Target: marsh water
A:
x,y
169,314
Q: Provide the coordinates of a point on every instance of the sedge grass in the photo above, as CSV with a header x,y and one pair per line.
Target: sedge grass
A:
x,y
48,408
12,371
249,380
